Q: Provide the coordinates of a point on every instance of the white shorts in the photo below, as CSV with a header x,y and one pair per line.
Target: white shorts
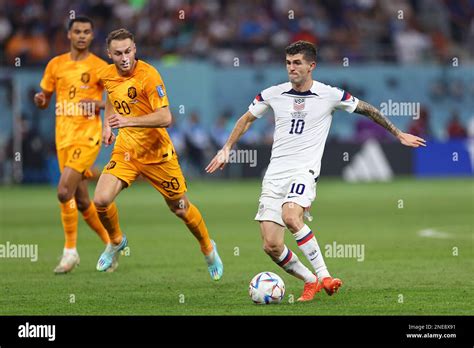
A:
x,y
299,189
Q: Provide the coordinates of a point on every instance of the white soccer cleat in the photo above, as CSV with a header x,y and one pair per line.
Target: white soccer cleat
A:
x,y
69,260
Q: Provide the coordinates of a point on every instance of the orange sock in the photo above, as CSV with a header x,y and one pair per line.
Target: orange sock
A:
x,y
69,220
195,223
109,218
92,219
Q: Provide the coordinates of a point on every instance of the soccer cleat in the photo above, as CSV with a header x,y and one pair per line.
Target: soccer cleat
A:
x,y
67,263
108,259
331,285
114,263
310,290
214,263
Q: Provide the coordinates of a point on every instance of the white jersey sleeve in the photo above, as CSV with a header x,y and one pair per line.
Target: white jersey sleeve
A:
x,y
343,100
261,103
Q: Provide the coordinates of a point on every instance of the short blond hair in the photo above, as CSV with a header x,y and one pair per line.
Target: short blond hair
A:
x,y
119,34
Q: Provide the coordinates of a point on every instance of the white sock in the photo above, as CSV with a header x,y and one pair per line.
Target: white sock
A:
x,y
291,264
309,246
69,251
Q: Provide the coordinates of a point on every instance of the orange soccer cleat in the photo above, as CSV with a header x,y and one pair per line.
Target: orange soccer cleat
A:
x,y
331,285
310,290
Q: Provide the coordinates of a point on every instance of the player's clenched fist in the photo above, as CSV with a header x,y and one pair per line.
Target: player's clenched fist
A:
x,y
219,161
40,100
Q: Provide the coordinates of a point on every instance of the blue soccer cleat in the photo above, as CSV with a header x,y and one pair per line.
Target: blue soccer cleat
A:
x,y
214,263
108,259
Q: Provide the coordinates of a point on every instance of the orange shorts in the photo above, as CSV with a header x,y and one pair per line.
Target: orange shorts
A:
x,y
78,157
166,177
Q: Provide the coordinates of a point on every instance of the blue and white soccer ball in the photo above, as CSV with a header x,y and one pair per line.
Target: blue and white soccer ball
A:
x,y
266,288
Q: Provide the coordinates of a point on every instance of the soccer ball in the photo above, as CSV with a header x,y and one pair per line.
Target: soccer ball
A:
x,y
266,287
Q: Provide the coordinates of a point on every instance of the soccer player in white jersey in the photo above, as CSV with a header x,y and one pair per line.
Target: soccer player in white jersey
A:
x,y
303,111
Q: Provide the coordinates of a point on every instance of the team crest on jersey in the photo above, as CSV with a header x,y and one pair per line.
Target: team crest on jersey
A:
x,y
132,92
111,165
85,77
298,104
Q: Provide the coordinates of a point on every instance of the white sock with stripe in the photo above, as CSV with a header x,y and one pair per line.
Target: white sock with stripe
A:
x,y
291,264
309,246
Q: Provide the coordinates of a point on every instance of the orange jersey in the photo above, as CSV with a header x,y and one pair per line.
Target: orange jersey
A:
x,y
139,94
73,81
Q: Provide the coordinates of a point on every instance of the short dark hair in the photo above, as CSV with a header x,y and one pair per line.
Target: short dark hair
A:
x,y
306,48
80,19
119,34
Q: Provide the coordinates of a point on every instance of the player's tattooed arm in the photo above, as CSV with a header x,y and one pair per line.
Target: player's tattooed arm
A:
x,y
375,115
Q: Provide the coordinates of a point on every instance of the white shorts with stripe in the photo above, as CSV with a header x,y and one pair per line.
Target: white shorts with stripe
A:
x,y
299,189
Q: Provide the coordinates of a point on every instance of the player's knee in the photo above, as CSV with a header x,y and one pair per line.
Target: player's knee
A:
x,y
292,221
272,249
82,204
64,194
102,201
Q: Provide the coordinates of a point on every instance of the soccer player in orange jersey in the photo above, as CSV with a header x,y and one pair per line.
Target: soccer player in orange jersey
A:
x,y
73,76
137,104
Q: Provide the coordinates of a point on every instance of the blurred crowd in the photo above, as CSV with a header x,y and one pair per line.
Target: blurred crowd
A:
x,y
255,32
196,142
403,31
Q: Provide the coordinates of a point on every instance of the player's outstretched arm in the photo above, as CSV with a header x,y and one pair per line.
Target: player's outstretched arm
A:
x,y
375,115
159,118
42,99
241,126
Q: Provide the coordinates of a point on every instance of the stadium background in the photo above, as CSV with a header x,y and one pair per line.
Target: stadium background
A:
x,y
215,56
403,51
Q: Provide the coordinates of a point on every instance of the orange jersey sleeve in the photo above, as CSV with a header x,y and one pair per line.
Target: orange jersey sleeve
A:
x,y
48,82
155,89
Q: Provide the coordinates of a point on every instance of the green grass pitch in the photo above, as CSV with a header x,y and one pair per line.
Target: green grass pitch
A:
x,y
402,273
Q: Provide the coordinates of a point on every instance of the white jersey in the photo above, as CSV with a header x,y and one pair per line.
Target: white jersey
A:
x,y
302,122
